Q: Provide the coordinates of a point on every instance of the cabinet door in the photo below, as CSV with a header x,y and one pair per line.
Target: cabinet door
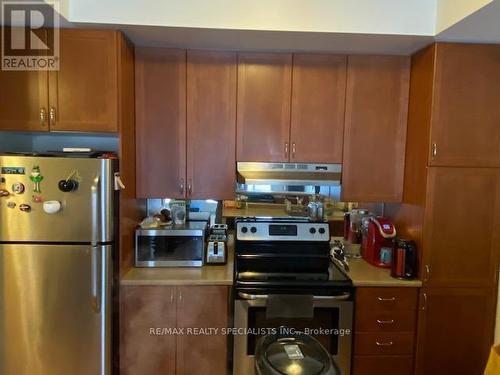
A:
x,y
160,89
318,101
83,94
146,315
375,128
202,307
263,118
461,236
24,98
211,124
455,331
466,114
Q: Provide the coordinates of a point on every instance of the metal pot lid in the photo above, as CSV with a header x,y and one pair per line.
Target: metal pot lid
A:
x,y
297,355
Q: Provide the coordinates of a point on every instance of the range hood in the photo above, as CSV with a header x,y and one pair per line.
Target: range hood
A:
x,y
299,174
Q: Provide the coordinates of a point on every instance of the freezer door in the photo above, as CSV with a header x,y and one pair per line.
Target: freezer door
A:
x,y
55,310
31,182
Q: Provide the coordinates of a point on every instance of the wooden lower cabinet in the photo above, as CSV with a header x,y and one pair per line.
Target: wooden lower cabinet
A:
x,y
147,313
383,365
385,326
455,330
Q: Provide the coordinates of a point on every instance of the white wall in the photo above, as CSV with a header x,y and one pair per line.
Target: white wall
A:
x,y
449,12
408,17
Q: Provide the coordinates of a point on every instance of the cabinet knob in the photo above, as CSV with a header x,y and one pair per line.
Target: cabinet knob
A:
x,y
382,299
434,150
427,272
387,343
181,186
52,115
424,302
43,116
391,321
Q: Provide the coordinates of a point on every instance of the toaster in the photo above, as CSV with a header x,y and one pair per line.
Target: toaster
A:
x,y
216,252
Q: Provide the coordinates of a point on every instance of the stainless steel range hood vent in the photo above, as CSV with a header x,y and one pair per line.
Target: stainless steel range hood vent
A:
x,y
299,174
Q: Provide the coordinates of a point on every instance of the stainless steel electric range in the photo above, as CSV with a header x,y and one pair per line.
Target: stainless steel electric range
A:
x,y
289,257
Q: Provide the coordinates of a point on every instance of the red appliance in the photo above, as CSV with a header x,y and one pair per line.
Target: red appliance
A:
x,y
379,241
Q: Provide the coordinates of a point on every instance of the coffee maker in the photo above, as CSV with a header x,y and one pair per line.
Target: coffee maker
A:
x,y
377,248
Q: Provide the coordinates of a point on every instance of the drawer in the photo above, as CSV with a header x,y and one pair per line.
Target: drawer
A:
x,y
382,365
396,343
385,321
386,298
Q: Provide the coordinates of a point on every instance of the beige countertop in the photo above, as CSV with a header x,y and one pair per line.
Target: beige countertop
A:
x,y
364,274
361,273
205,275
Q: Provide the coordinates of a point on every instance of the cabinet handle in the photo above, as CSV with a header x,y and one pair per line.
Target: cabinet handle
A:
x,y
190,186
427,272
172,296
52,115
434,150
286,149
181,186
388,343
293,150
381,299
424,305
43,116
391,321
180,295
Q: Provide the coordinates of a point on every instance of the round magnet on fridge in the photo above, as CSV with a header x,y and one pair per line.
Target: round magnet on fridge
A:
x,y
51,207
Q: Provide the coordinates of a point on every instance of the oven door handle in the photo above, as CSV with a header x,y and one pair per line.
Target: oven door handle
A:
x,y
342,297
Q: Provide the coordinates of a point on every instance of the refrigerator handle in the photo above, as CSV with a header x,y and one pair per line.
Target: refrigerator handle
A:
x,y
95,258
94,197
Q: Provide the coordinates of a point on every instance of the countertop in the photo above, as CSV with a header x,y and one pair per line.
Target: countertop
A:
x,y
361,273
364,274
205,275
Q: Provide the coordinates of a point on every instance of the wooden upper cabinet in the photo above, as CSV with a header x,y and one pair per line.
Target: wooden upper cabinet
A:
x,y
375,128
462,203
318,103
160,76
83,94
455,330
211,124
202,307
263,118
142,308
24,98
466,113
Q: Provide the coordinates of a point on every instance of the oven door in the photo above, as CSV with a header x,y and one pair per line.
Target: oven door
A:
x,y
330,313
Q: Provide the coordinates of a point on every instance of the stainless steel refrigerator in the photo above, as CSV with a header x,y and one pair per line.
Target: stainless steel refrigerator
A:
x,y
56,245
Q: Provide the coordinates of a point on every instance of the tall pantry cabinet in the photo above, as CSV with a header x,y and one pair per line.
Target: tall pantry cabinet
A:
x,y
451,202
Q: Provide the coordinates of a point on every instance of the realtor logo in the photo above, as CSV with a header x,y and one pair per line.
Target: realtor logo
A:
x,y
30,35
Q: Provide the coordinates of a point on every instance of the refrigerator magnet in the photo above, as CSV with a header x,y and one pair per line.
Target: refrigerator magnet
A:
x,y
36,177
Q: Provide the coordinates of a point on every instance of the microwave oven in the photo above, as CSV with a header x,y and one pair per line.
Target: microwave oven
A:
x,y
176,246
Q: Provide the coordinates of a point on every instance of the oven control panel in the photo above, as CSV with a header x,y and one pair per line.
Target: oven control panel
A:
x,y
282,231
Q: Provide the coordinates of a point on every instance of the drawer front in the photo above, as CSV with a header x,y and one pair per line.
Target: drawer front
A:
x,y
385,321
374,343
382,365
386,298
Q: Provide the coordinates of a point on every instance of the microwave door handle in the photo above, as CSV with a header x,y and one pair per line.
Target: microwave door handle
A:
x,y
342,297
94,248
